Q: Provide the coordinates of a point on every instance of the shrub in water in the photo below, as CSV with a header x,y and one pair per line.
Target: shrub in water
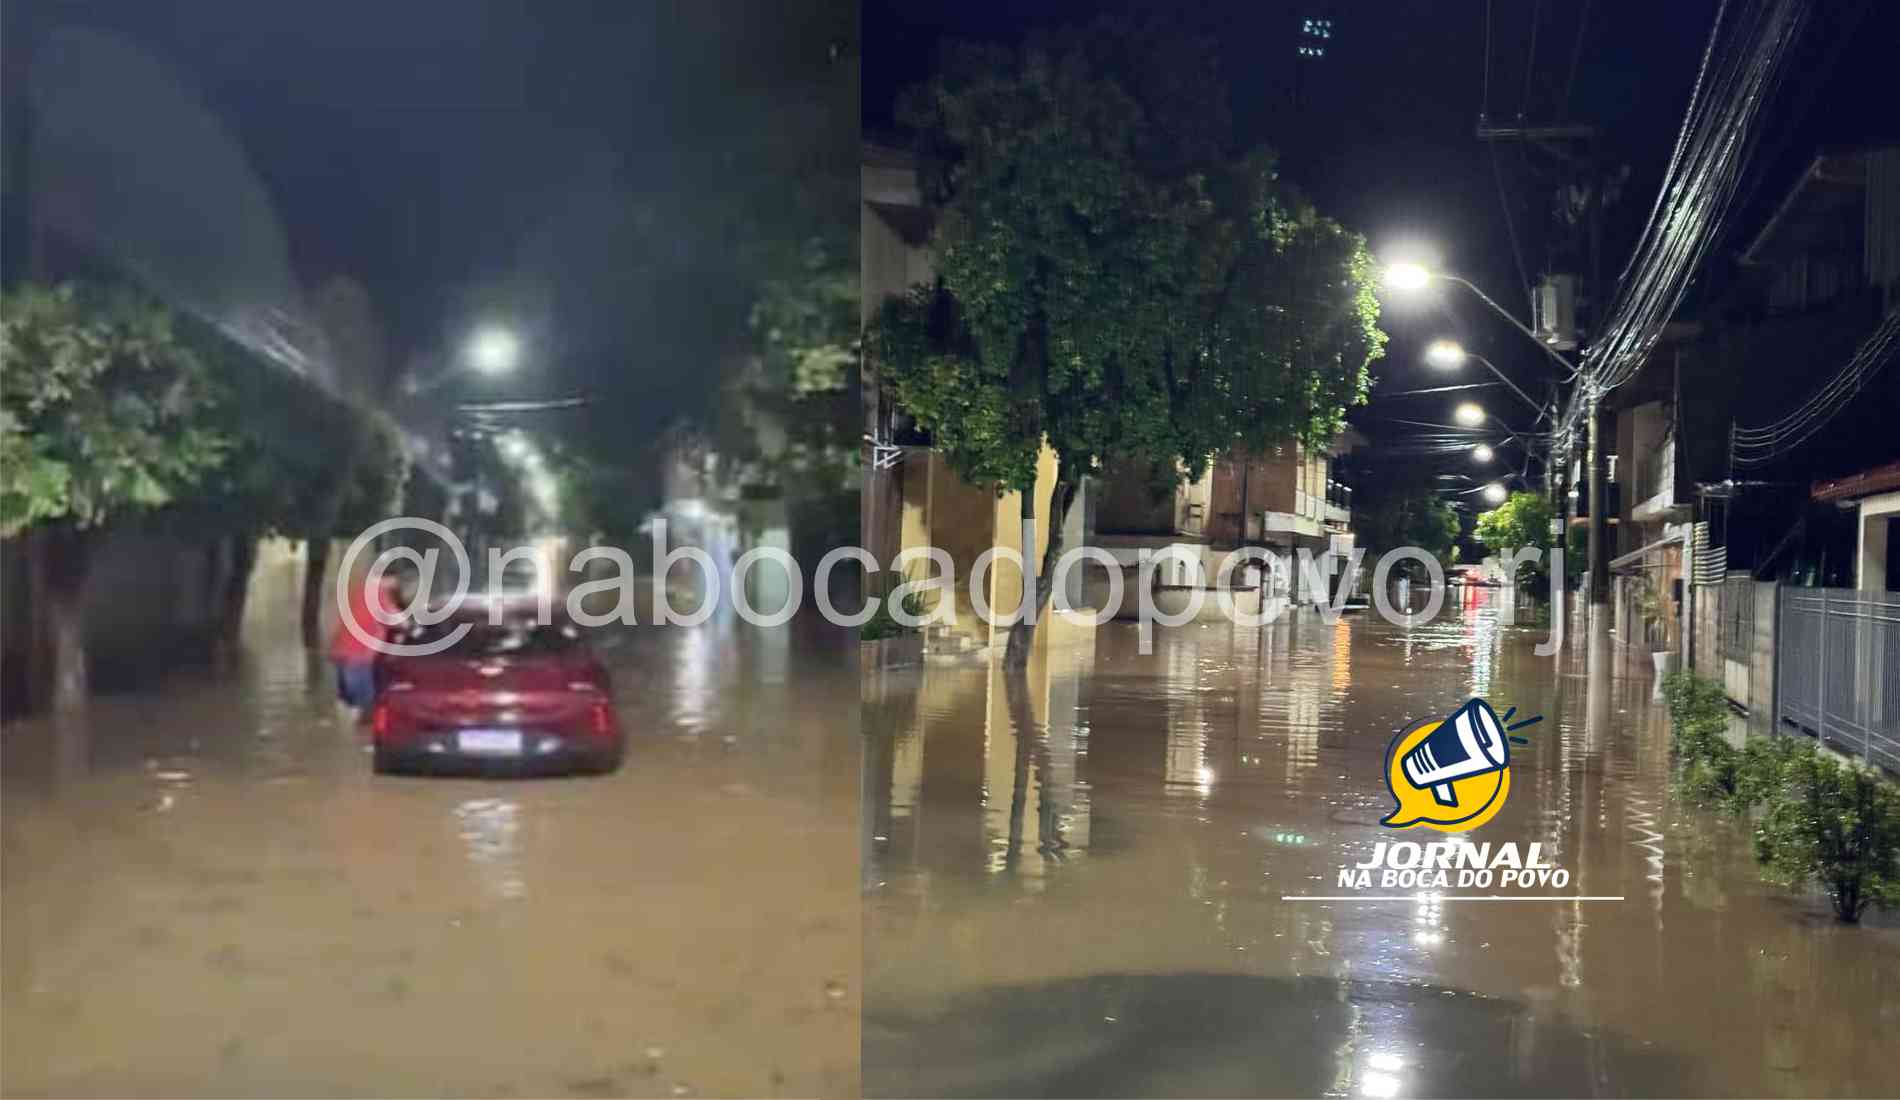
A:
x,y
882,624
1834,823
1698,714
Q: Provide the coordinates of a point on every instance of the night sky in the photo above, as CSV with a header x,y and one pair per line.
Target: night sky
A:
x,y
582,168
1383,135
587,168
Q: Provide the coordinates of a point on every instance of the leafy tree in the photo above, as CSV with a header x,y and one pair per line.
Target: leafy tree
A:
x,y
1523,520
105,411
1110,282
601,499
367,465
366,485
303,464
1403,508
378,476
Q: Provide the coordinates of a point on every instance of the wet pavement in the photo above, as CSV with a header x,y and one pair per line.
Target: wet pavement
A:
x,y
208,893
1077,888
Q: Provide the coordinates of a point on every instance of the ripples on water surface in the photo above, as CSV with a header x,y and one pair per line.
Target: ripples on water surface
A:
x,y
211,895
1095,907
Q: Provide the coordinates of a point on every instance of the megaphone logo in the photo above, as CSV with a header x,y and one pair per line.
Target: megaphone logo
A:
x,y
1451,774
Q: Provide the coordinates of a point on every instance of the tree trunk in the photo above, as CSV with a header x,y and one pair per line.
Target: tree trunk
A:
x,y
1016,689
1036,589
316,562
61,565
39,651
237,589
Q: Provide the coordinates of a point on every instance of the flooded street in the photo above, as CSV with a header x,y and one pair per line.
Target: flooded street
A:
x,y
217,897
1080,890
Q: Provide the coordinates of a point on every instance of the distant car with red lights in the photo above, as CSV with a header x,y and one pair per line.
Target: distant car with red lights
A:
x,y
517,695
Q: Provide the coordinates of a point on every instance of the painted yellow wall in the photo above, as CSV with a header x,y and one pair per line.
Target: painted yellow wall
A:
x,y
966,520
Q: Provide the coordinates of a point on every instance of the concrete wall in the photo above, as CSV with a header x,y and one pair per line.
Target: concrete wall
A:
x,y
1708,658
1761,661
1876,512
888,264
1749,680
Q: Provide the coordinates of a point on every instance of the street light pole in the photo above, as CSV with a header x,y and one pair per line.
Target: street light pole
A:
x,y
1528,400
1412,276
1508,316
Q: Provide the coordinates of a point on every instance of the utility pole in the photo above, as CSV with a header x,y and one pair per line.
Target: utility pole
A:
x,y
1556,141
1599,490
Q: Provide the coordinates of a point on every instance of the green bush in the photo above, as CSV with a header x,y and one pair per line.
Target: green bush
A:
x,y
1713,777
1834,823
1822,820
1698,715
883,624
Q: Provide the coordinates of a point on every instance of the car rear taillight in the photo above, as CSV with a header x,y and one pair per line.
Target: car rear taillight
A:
x,y
379,719
603,719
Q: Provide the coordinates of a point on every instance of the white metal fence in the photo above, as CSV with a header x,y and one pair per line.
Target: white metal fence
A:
x,y
1838,652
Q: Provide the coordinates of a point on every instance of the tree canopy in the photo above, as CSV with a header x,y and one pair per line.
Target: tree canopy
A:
x,y
1109,279
1398,509
1522,520
105,409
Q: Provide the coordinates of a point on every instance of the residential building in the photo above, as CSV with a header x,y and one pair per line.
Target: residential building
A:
x,y
1874,497
1755,464
1284,500
1814,281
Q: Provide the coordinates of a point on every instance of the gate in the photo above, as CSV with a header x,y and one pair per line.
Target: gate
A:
x,y
1838,654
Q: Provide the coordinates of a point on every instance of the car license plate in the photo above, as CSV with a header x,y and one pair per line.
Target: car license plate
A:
x,y
490,742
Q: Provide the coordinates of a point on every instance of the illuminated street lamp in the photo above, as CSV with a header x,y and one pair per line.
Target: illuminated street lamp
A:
x,y
1494,493
493,349
1482,452
1450,354
1468,414
1408,277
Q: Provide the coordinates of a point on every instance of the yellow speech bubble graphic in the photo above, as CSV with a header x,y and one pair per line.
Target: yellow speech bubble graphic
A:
x,y
1477,798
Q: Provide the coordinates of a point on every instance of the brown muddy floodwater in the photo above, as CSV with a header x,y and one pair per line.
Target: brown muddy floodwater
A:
x,y
1092,905
215,896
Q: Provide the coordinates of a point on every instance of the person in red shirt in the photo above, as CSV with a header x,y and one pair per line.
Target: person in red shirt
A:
x,y
354,657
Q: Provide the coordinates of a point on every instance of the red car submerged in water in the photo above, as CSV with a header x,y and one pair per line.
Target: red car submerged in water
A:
x,y
518,695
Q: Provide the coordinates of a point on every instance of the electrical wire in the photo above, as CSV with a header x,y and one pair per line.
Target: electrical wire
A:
x,y
1750,447
1510,227
1742,64
1484,104
1530,60
1576,55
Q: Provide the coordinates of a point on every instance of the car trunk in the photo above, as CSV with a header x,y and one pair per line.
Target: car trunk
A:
x,y
483,691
